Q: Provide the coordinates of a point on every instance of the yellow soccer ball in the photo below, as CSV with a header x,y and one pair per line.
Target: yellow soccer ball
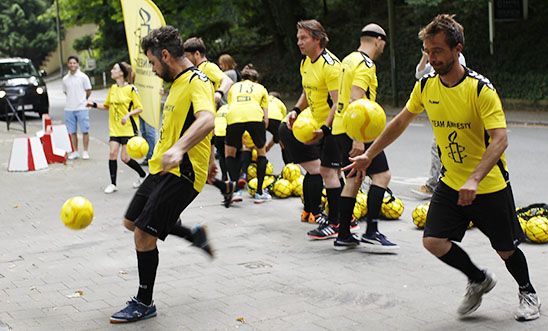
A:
x,y
324,199
419,214
77,213
252,171
247,141
291,172
282,188
360,207
392,207
298,186
137,147
304,127
536,229
364,120
522,223
269,169
252,184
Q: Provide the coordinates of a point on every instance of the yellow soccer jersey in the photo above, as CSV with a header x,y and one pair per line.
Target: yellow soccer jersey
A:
x,y
318,77
213,72
359,70
190,92
120,101
276,108
220,121
247,101
460,117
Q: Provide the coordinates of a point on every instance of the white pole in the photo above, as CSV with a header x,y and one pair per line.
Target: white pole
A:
x,y
491,27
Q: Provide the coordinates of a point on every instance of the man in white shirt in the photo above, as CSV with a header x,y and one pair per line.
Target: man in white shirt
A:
x,y
77,88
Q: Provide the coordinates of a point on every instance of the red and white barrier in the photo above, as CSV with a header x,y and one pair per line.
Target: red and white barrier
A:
x,y
27,154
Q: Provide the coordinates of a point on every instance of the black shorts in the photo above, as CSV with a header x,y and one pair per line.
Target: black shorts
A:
x,y
234,133
378,165
494,214
297,152
120,140
273,128
158,203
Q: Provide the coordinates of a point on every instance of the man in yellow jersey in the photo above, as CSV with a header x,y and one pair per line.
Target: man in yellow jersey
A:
x,y
470,130
178,167
358,80
320,73
276,113
195,51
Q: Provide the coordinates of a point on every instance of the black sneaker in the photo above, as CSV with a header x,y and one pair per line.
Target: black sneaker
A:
x,y
228,193
199,239
134,311
378,243
350,242
324,232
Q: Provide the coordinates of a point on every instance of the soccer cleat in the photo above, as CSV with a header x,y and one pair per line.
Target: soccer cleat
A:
x,y
260,198
134,311
228,194
199,239
349,242
424,192
320,218
73,156
138,182
378,243
85,155
304,216
529,307
324,232
111,188
474,292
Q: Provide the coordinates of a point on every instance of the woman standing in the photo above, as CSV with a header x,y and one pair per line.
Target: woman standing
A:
x,y
123,104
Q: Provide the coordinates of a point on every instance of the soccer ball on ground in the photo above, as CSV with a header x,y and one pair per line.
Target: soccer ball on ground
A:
x,y
282,188
291,172
392,207
536,229
419,214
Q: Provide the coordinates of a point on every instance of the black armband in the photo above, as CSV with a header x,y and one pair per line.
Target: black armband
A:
x,y
220,92
326,130
94,104
297,110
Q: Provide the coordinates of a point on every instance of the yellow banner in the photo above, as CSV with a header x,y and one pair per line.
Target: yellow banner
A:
x,y
140,17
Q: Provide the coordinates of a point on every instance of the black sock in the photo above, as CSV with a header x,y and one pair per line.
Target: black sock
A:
x,y
245,158
306,192
346,208
374,203
233,168
458,259
517,266
261,170
333,196
147,262
316,187
112,168
182,231
135,166
341,180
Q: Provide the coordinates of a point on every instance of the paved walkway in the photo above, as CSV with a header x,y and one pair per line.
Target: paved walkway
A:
x,y
267,276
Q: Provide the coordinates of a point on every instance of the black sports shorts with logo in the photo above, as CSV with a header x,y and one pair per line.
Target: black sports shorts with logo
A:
x,y
158,203
234,133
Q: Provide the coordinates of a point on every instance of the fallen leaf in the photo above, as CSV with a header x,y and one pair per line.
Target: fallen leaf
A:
x,y
76,294
240,319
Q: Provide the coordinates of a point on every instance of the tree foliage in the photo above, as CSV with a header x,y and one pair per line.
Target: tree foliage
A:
x,y
25,31
263,32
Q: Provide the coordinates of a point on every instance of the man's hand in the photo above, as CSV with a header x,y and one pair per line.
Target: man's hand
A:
x,y
211,172
467,192
124,120
358,166
172,158
357,148
290,119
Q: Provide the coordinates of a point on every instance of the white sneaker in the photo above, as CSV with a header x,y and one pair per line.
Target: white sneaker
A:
x,y
111,188
237,196
85,155
73,156
529,307
138,182
260,198
474,293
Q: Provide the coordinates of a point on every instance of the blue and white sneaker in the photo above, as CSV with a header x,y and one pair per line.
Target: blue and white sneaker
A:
x,y
135,311
260,198
378,243
237,196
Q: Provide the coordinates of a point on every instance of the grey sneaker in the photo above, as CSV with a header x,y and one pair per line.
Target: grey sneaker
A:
x,y
529,307
474,292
